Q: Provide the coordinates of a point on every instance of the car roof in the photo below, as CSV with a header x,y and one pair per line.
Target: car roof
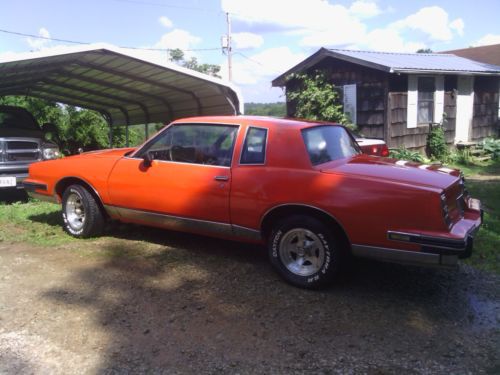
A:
x,y
256,121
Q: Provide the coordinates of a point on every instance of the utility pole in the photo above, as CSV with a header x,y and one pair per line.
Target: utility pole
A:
x,y
229,48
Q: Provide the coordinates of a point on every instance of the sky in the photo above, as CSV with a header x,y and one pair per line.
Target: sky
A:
x,y
268,36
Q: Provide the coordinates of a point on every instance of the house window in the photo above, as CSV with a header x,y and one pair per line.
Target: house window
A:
x,y
426,89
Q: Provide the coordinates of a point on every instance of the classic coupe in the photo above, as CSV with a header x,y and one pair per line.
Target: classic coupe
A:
x,y
303,188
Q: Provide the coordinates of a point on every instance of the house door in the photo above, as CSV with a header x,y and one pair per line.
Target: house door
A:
x,y
465,108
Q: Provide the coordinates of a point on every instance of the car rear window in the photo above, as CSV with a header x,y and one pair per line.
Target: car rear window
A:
x,y
327,143
254,148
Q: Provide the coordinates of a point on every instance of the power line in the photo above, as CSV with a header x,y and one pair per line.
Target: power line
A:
x,y
42,37
87,43
248,58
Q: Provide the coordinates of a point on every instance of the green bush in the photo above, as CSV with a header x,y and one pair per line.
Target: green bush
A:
x,y
316,98
491,146
462,157
403,153
437,148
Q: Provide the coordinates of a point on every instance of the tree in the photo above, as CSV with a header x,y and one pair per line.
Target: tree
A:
x,y
177,56
315,98
266,109
425,50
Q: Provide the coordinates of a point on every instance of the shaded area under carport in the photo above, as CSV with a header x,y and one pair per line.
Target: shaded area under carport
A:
x,y
123,88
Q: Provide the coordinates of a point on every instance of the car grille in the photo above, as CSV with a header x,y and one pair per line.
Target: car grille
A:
x,y
19,151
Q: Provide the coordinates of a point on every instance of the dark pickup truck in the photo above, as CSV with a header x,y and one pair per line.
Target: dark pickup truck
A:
x,y
22,142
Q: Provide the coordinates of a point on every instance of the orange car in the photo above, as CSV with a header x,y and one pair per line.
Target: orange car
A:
x,y
303,188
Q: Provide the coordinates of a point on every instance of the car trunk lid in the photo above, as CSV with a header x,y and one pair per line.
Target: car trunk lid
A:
x,y
434,176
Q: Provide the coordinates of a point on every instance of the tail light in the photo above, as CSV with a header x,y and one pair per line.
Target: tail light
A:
x,y
384,150
445,210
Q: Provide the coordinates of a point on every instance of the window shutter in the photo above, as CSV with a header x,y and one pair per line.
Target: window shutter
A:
x,y
411,109
350,102
439,99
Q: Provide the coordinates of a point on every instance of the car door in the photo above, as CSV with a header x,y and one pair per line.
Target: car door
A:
x,y
186,185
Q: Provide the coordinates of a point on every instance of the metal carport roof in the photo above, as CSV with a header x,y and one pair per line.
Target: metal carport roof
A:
x,y
124,88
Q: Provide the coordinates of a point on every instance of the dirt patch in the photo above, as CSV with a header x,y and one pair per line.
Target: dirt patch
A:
x,y
194,304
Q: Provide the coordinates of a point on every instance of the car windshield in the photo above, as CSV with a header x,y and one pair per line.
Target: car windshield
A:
x,y
328,143
17,120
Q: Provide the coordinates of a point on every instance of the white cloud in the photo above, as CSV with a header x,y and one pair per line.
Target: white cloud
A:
x,y
247,40
433,21
318,23
487,40
458,25
316,20
38,44
364,9
178,38
388,40
166,22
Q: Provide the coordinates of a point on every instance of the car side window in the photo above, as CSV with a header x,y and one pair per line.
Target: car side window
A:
x,y
254,148
194,143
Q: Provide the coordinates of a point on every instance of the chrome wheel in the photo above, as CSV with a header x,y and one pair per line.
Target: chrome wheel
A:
x,y
302,252
75,211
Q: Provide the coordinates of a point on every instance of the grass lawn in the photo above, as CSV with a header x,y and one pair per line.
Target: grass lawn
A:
x,y
39,223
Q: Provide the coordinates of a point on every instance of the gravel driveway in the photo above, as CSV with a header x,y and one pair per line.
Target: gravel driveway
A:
x,y
188,304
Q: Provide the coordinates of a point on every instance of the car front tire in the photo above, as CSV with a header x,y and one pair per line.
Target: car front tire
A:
x,y
81,213
304,252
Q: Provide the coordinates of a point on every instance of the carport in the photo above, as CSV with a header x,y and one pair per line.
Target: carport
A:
x,y
124,88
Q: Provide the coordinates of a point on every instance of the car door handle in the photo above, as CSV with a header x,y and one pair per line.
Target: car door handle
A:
x,y
221,178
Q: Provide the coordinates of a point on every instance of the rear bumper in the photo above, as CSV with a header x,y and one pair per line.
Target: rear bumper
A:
x,y
434,250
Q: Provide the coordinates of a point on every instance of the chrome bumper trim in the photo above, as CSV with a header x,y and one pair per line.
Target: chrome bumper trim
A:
x,y
404,256
32,186
172,222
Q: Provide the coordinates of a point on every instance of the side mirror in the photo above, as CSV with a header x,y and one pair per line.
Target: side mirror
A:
x,y
148,159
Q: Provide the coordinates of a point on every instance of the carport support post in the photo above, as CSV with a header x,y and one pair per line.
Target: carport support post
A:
x,y
126,135
110,136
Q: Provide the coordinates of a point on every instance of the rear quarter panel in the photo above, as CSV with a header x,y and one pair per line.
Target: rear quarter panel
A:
x,y
365,207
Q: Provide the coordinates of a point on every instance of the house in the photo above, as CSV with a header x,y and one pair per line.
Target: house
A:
x,y
396,96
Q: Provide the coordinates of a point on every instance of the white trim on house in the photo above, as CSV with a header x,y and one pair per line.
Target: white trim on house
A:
x,y
412,106
465,108
439,98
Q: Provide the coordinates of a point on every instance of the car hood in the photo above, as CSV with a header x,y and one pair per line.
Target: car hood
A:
x,y
399,171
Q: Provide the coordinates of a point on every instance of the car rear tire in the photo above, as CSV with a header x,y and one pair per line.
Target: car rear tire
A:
x,y
81,213
304,251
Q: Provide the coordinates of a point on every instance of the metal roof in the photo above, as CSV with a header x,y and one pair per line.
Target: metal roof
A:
x,y
392,62
124,88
